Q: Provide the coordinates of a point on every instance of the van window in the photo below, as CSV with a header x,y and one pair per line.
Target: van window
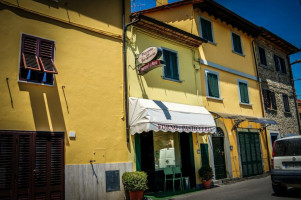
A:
x,y
290,147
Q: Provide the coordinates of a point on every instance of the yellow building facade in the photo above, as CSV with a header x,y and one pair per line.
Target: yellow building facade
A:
x,y
160,98
64,99
229,84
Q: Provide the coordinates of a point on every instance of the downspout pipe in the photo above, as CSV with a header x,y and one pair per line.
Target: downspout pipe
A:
x,y
261,101
125,81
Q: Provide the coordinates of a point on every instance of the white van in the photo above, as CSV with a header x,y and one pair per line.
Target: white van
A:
x,y
286,164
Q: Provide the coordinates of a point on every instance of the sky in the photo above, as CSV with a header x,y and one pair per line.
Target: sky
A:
x,y
282,17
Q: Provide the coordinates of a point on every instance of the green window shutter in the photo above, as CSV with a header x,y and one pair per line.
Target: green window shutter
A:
x,y
171,65
138,152
236,43
212,81
206,30
204,155
244,96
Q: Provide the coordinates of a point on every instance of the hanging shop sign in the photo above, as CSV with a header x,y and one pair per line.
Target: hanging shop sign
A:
x,y
149,54
150,66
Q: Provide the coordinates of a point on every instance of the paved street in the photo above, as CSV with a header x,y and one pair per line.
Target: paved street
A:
x,y
249,189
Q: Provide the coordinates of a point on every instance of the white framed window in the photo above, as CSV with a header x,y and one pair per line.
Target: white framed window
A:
x,y
171,69
236,43
206,29
243,91
212,84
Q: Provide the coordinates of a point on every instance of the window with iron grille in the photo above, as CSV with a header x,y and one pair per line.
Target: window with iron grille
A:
x,y
262,56
37,60
286,103
206,29
171,69
269,99
279,64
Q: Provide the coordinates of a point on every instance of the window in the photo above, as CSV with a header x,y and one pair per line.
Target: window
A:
x,y
212,85
243,91
280,64
286,103
171,70
262,56
166,150
36,62
206,29
269,99
236,43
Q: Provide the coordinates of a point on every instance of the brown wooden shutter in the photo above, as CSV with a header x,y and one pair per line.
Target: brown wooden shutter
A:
x,y
266,97
46,56
30,52
273,100
6,163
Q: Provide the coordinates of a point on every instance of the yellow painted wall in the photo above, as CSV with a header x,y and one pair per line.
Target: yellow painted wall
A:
x,y
152,85
89,67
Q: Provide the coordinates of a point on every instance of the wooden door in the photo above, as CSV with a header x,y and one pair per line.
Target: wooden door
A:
x,y
31,165
250,154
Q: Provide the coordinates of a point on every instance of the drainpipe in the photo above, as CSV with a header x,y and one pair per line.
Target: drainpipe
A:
x,y
261,101
125,81
294,91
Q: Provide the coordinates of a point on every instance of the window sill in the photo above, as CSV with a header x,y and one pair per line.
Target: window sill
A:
x,y
213,43
288,113
170,79
214,98
245,104
33,83
271,109
238,53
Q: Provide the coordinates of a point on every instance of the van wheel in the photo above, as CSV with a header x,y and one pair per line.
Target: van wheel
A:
x,y
279,189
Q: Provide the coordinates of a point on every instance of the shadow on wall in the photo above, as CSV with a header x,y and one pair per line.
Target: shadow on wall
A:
x,y
46,107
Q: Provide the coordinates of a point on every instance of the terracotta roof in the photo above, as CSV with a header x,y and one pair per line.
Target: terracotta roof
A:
x,y
166,30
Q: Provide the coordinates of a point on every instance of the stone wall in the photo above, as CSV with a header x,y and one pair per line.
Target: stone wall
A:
x,y
280,84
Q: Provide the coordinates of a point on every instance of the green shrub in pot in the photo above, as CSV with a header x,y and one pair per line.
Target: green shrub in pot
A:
x,y
134,181
206,173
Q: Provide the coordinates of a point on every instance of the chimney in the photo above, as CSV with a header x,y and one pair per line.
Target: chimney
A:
x,y
161,2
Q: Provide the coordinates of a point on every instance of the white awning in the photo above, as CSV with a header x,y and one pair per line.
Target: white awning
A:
x,y
151,115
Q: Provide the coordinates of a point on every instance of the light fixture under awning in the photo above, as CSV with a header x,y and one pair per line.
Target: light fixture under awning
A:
x,y
151,115
259,120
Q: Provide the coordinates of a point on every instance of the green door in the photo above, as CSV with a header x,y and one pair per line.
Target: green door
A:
x,y
250,153
219,157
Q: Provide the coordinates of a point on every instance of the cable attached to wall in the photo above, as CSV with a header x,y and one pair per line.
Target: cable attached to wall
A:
x,y
94,174
63,88
11,98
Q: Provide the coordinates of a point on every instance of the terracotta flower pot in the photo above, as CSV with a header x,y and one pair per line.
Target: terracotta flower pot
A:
x,y
207,184
136,195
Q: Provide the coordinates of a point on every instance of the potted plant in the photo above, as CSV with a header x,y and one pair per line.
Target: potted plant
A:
x,y
135,183
206,174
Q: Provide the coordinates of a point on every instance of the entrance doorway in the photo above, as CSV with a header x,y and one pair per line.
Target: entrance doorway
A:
x,y
250,153
31,165
187,161
219,154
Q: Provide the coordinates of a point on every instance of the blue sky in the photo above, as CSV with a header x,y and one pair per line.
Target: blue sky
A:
x,y
282,17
